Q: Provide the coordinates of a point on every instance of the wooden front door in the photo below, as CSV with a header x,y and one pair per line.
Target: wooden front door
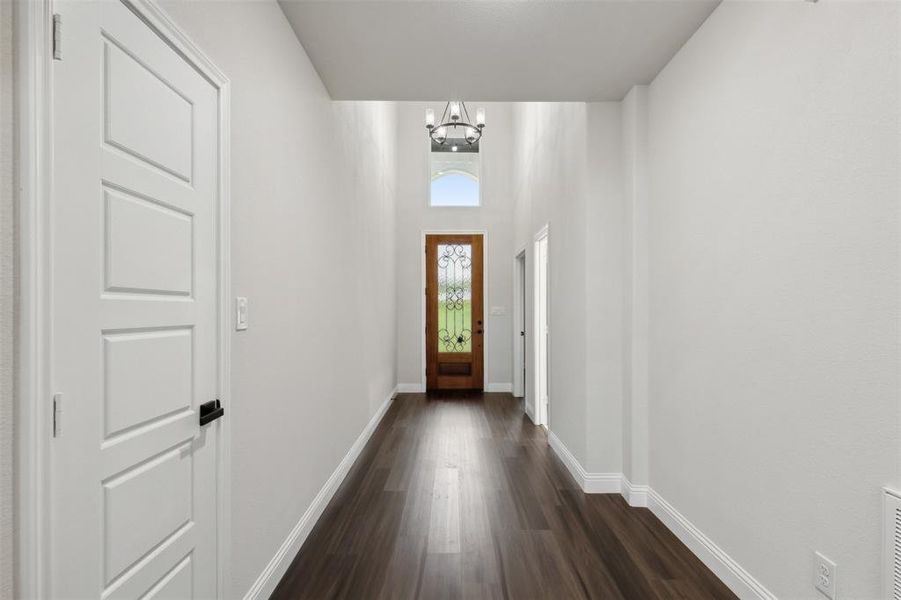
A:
x,y
454,321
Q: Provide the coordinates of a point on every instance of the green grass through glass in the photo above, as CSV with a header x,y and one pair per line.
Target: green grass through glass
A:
x,y
466,324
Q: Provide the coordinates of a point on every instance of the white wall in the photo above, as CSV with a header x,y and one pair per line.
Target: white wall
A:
x,y
550,181
744,208
604,266
774,264
567,175
635,284
367,133
7,291
312,218
414,216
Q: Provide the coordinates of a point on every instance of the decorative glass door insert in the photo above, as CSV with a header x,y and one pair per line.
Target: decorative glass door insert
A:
x,y
454,298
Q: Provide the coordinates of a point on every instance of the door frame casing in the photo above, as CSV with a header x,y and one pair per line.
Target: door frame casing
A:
x,y
542,234
519,324
34,129
423,383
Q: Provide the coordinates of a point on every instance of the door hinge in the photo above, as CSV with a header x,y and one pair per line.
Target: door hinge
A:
x,y
57,37
57,415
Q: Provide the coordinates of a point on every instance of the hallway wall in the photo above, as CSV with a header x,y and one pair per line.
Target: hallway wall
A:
x,y
774,265
756,221
550,178
8,258
567,175
312,212
635,284
415,215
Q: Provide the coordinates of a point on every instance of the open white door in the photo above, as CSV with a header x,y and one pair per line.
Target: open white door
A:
x,y
133,475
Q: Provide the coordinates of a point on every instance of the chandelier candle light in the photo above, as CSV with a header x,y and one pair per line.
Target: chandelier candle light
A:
x,y
457,116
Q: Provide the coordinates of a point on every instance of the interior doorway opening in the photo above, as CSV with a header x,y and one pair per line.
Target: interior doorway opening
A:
x,y
541,329
519,326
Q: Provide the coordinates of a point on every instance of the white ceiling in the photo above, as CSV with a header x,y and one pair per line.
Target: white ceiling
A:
x,y
510,50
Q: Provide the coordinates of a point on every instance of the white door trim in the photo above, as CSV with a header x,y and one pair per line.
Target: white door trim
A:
x,y
519,318
33,49
542,413
422,305
35,170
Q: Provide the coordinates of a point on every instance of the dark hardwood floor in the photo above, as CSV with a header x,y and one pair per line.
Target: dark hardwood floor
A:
x,y
459,496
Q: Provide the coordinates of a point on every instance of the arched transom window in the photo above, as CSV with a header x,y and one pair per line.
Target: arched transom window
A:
x,y
454,174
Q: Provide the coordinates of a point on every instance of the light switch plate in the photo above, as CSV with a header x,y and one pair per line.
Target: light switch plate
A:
x,y
240,313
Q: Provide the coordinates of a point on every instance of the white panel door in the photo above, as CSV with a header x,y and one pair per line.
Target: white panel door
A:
x,y
134,314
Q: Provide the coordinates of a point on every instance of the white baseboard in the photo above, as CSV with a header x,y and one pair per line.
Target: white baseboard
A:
x,y
591,483
724,566
265,584
732,574
499,387
527,408
602,483
635,494
410,388
566,457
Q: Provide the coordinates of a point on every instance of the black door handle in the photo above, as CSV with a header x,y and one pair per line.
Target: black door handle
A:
x,y
210,411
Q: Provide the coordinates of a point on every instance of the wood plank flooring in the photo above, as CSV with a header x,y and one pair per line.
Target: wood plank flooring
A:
x,y
459,496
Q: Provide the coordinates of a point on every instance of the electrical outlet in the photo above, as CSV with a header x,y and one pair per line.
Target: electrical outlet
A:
x,y
824,574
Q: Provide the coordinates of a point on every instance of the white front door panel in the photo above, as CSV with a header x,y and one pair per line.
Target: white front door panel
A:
x,y
134,284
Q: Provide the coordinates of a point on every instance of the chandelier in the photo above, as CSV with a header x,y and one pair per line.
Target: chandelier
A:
x,y
455,116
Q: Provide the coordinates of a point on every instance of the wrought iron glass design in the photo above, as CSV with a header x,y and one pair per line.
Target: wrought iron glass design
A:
x,y
454,298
